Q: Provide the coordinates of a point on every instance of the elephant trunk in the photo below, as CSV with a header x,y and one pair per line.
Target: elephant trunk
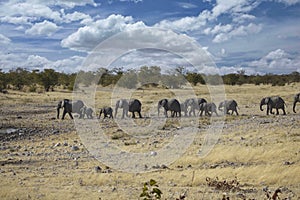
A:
x,y
294,106
261,104
158,108
116,110
57,112
59,106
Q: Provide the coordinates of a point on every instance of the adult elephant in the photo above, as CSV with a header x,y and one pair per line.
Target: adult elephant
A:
x,y
208,109
70,107
183,108
296,99
107,111
228,105
172,105
132,106
192,105
273,102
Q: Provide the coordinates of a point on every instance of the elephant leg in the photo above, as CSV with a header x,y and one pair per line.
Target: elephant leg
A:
x,y
201,112
64,114
140,115
207,113
277,111
284,113
194,113
70,114
271,110
133,115
236,112
123,114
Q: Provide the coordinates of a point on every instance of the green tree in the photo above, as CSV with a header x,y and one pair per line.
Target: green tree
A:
x,y
48,79
3,80
149,75
231,79
194,78
128,80
19,78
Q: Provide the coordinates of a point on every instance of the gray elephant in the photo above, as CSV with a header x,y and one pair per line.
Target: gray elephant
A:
x,y
172,105
296,99
132,106
107,112
273,102
87,111
191,105
183,108
228,105
208,109
69,107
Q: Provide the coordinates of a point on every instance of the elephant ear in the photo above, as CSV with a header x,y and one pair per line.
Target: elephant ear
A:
x,y
121,103
64,102
267,100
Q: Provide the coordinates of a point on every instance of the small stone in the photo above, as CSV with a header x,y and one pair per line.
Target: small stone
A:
x,y
55,131
57,144
97,169
153,153
75,148
164,166
288,163
65,144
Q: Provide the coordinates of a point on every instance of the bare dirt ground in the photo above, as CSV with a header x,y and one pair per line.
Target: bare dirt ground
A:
x,y
42,157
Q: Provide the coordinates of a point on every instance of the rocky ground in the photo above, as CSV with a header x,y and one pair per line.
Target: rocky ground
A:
x,y
45,158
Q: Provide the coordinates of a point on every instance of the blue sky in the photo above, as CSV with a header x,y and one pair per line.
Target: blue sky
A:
x,y
255,36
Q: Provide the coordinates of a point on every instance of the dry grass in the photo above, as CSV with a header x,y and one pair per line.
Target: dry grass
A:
x,y
259,150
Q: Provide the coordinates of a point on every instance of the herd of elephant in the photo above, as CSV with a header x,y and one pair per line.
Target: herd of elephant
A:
x,y
189,107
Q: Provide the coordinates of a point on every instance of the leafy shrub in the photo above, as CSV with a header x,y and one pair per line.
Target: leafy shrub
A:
x,y
151,191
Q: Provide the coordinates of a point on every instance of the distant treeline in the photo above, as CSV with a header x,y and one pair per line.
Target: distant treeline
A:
x,y
48,79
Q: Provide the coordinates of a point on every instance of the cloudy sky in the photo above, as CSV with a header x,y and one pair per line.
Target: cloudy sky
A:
x,y
256,36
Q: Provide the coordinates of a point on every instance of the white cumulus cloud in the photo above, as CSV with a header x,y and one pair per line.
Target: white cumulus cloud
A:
x,y
43,28
186,23
29,10
16,20
87,37
239,31
277,60
4,39
218,29
288,2
233,6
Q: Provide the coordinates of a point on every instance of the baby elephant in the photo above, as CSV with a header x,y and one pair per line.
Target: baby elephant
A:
x,y
208,108
87,111
107,111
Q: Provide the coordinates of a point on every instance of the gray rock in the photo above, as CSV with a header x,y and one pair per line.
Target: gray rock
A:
x,y
75,148
97,169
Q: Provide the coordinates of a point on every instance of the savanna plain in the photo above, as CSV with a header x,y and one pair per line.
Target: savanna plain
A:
x,y
42,157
